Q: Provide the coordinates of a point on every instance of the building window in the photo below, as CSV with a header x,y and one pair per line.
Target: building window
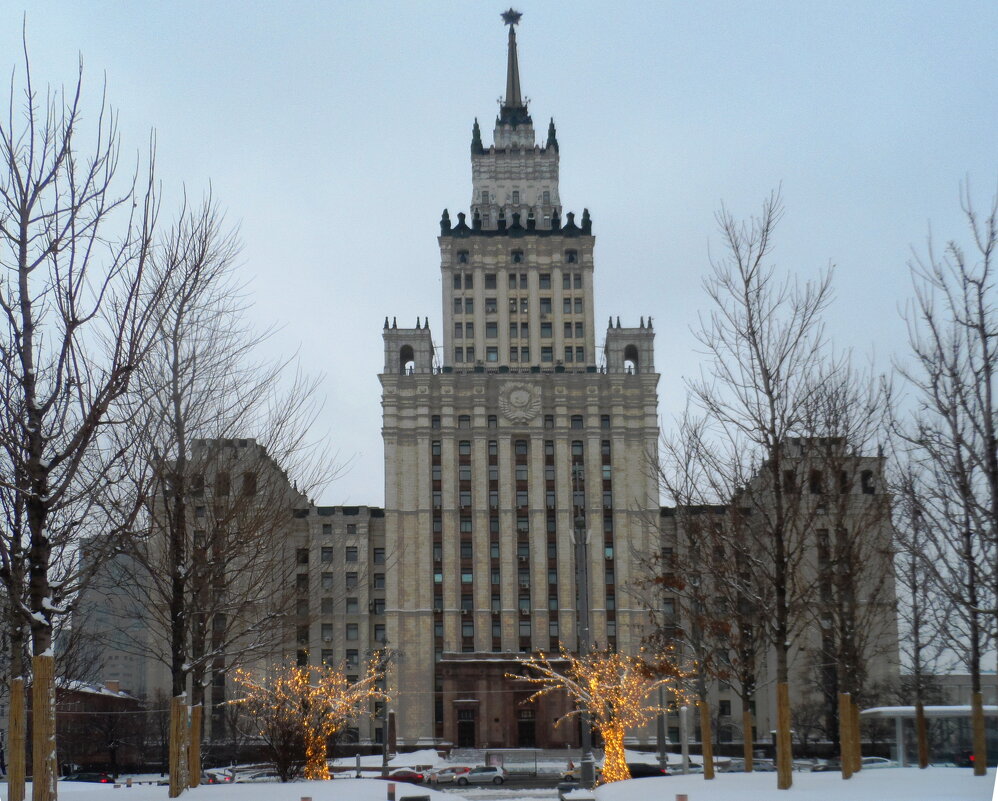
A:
x,y
301,556
457,280
458,355
491,330
568,355
327,529
353,631
353,657
546,331
545,305
577,421
490,281
464,448
458,305
524,354
301,582
327,581
326,555
571,256
544,280
462,258
493,421
464,421
469,303
351,553
492,354
578,305
547,354
351,582
458,331
379,556
352,606
516,256
580,355
566,303
579,331
379,581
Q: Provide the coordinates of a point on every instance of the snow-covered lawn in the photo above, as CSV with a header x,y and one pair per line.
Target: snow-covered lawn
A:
x,y
893,784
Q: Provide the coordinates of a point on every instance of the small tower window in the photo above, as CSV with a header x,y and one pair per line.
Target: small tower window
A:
x,y
462,257
516,257
516,197
485,196
571,257
546,199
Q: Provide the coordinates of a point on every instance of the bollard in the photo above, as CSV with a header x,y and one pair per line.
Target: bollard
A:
x,y
391,791
682,797
128,782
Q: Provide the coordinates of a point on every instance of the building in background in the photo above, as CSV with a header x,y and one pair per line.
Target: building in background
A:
x,y
499,447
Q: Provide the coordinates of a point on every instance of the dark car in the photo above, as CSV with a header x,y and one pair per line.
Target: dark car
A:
x,y
406,775
100,778
641,770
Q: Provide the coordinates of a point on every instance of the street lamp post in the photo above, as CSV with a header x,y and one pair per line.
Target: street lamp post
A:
x,y
587,768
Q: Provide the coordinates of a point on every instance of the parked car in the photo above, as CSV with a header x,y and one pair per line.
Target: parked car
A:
x,y
259,776
216,777
448,775
826,765
575,773
100,778
878,762
483,774
405,775
641,770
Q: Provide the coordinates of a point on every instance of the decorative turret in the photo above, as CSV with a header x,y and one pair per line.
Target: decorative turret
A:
x,y
513,110
552,135
630,350
477,148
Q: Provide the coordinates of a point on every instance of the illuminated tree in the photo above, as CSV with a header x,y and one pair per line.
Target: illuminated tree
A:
x,y
613,687
298,708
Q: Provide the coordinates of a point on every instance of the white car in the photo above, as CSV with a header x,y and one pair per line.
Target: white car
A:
x,y
449,775
878,762
259,776
483,775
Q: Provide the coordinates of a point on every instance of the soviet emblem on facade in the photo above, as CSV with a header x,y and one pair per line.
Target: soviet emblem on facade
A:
x,y
519,403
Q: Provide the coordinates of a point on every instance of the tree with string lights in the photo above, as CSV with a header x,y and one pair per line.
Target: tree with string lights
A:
x,y
299,707
613,687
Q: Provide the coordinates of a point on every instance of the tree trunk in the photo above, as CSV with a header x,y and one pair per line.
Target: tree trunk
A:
x,y
43,748
706,740
748,745
614,757
16,742
980,742
845,736
178,749
922,735
784,748
194,747
857,737
316,767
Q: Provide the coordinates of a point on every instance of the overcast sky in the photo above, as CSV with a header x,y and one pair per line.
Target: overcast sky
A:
x,y
336,133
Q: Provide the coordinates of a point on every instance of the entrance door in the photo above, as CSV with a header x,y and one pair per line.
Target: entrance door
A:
x,y
526,734
466,728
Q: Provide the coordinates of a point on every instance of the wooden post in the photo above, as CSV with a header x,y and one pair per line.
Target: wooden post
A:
x,y
845,735
706,740
784,747
980,743
922,735
857,738
178,749
747,743
194,747
43,751
16,742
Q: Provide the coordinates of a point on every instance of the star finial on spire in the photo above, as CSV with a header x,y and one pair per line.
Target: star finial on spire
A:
x,y
511,16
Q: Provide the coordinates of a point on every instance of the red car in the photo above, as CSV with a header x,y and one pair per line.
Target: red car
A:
x,y
405,775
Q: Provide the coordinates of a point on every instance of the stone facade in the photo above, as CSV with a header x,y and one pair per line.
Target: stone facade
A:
x,y
496,454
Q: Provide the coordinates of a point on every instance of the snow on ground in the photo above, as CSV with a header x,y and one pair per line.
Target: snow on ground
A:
x,y
891,784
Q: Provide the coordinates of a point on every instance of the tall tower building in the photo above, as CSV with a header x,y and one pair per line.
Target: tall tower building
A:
x,y
505,443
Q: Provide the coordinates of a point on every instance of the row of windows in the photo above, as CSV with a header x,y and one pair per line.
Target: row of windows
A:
x,y
223,483
517,330
568,280
350,554
576,421
521,447
352,632
327,529
543,198
569,305
351,606
466,355
327,581
571,256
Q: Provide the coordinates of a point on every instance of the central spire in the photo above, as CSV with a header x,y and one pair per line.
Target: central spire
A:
x,y
513,97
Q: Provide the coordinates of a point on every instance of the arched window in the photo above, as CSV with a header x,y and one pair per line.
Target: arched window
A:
x,y
630,359
407,360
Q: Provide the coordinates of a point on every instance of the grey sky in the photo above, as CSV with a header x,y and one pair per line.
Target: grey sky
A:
x,y
336,133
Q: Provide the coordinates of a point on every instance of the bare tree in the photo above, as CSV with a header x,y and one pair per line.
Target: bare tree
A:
x,y
953,332
76,303
227,436
764,337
